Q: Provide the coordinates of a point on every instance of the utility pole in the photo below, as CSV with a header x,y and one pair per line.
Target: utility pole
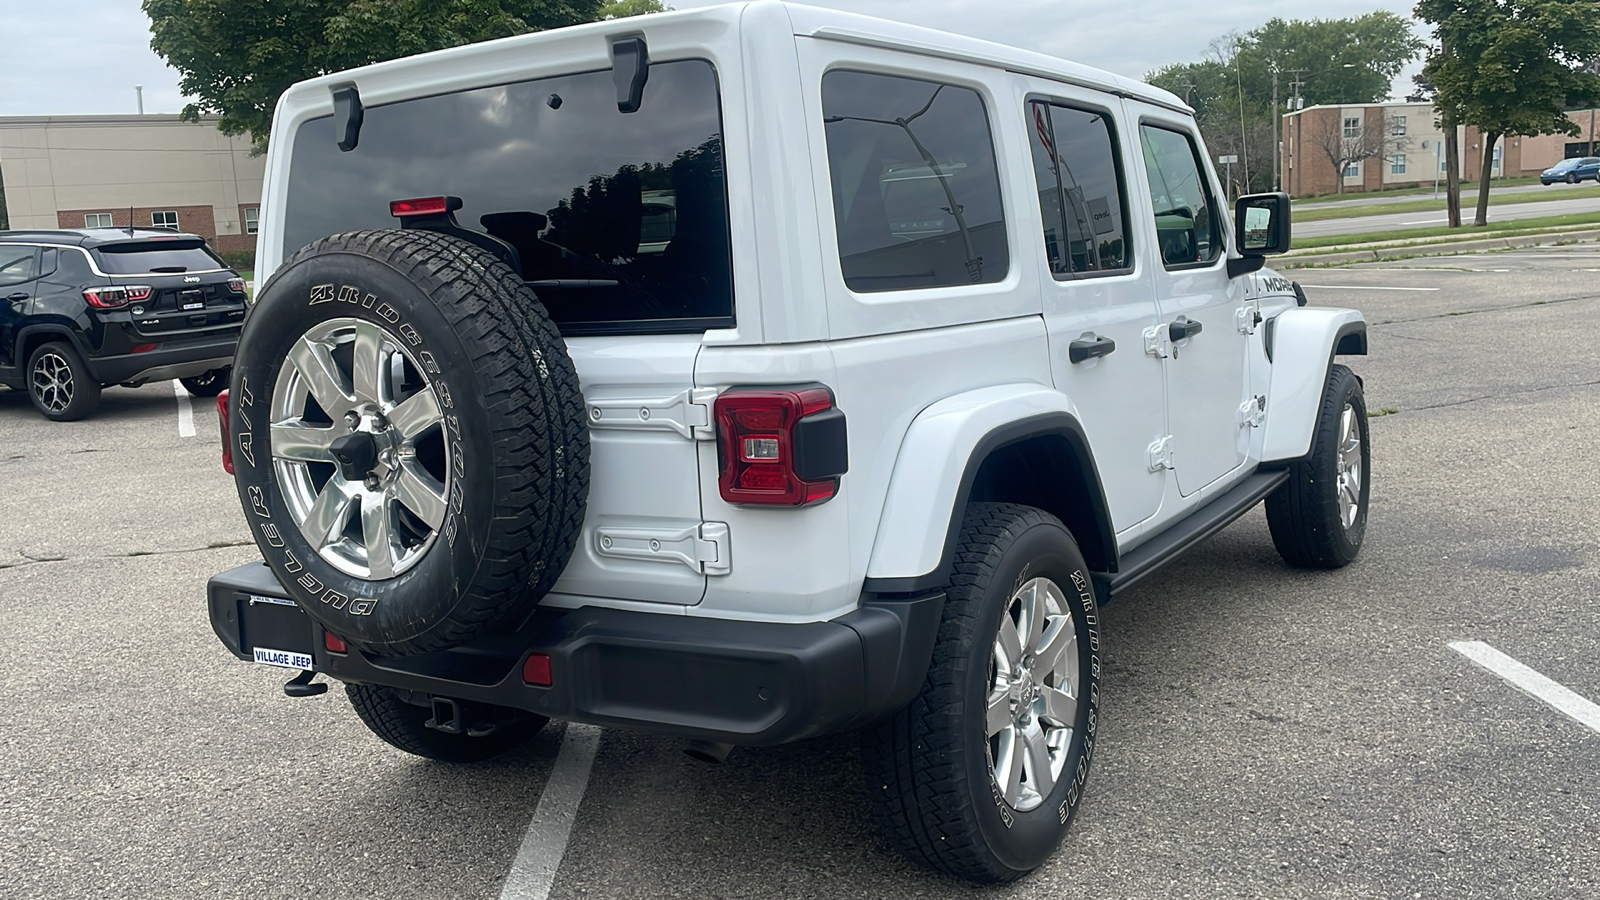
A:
x,y
1295,84
1277,131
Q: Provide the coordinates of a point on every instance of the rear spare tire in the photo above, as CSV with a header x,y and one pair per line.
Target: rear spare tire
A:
x,y
400,432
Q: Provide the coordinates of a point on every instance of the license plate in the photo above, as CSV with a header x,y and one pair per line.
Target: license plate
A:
x,y
283,659
189,300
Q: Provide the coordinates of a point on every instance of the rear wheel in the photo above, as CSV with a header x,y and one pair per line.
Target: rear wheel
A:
x,y
60,383
981,775
208,384
401,720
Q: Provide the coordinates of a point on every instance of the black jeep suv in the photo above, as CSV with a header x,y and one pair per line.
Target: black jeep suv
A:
x,y
92,307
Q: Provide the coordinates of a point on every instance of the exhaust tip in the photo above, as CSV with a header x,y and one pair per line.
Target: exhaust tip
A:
x,y
710,752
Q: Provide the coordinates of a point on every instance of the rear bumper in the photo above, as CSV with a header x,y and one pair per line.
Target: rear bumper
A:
x,y
172,359
750,683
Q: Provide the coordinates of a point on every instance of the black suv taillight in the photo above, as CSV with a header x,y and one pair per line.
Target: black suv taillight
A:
x,y
779,446
114,296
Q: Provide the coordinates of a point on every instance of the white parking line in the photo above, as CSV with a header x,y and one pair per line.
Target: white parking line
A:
x,y
534,869
1363,287
185,410
1531,683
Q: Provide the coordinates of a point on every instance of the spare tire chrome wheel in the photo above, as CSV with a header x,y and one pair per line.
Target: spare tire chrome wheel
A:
x,y
409,449
358,449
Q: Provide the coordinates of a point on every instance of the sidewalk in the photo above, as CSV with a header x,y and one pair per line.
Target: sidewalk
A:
x,y
1439,246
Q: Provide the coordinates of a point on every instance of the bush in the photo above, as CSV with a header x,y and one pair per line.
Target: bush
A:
x,y
238,259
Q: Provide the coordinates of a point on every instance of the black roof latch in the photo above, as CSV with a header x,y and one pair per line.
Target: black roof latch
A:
x,y
347,115
630,68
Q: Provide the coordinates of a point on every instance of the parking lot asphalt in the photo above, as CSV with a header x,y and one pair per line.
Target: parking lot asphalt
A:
x,y
1266,732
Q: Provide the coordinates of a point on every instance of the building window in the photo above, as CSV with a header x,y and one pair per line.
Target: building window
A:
x,y
164,218
1397,125
252,219
1397,164
1352,127
97,220
1353,170
1499,153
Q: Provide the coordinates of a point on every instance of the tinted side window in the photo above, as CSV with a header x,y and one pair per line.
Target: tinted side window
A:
x,y
156,258
1080,190
16,264
621,218
916,195
1186,216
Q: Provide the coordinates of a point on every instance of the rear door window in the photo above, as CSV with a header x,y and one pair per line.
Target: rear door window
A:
x,y
156,258
916,194
16,264
1081,200
620,219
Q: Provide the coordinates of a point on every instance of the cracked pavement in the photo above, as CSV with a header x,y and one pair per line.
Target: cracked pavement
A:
x,y
1265,732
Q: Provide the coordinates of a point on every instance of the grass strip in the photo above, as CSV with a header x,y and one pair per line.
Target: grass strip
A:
x,y
1435,206
1464,233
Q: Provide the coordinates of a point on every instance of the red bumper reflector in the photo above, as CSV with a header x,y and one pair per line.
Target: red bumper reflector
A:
x,y
142,348
334,643
537,670
227,442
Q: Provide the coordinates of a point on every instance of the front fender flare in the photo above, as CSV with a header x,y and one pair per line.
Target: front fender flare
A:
x,y
1304,342
939,458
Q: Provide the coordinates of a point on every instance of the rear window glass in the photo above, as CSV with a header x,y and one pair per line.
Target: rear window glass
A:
x,y
156,257
916,196
620,219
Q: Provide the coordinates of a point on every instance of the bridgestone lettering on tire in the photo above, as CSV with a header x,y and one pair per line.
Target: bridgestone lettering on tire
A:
x,y
982,774
409,440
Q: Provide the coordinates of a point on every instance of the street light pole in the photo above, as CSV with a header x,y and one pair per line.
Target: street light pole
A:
x,y
1277,131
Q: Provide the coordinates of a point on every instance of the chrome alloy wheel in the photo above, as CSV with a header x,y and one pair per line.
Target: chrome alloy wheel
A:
x,y
1034,685
51,381
358,449
1350,474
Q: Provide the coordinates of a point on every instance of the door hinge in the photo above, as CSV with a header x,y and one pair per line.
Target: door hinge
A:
x,y
1158,342
1246,318
688,413
1253,412
704,548
1160,454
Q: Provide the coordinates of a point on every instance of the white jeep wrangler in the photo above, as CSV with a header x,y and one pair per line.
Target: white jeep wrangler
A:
x,y
757,372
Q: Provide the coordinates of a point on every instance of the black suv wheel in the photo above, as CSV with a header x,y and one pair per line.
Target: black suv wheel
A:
x,y
60,384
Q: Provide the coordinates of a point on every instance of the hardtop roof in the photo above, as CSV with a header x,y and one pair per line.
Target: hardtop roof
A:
x,y
807,21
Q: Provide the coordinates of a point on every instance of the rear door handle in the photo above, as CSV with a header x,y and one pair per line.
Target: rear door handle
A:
x,y
18,297
1089,346
1183,327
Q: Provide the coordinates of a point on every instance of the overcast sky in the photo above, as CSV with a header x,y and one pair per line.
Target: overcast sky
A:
x,y
66,57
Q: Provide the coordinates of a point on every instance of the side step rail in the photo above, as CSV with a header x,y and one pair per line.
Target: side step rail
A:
x,y
1196,527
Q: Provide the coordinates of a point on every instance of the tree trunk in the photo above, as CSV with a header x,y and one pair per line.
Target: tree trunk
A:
x,y
1482,218
1452,180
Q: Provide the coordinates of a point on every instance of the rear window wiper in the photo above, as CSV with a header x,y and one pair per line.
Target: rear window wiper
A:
x,y
155,270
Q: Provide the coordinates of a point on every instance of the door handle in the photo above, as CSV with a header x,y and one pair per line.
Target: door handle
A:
x,y
18,297
1183,327
1089,346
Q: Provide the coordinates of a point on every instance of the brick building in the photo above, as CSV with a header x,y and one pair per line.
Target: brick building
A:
x,y
77,171
1411,148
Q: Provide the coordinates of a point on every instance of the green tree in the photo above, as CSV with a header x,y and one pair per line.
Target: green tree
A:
x,y
1327,61
621,9
1511,68
236,56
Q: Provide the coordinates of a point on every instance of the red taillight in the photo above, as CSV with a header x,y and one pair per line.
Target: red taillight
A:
x,y
334,643
536,670
236,285
423,206
779,446
115,296
227,442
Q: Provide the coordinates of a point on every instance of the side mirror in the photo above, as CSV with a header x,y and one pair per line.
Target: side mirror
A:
x,y
1261,222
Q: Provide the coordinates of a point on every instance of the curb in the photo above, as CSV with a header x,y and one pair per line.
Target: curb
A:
x,y
1442,248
